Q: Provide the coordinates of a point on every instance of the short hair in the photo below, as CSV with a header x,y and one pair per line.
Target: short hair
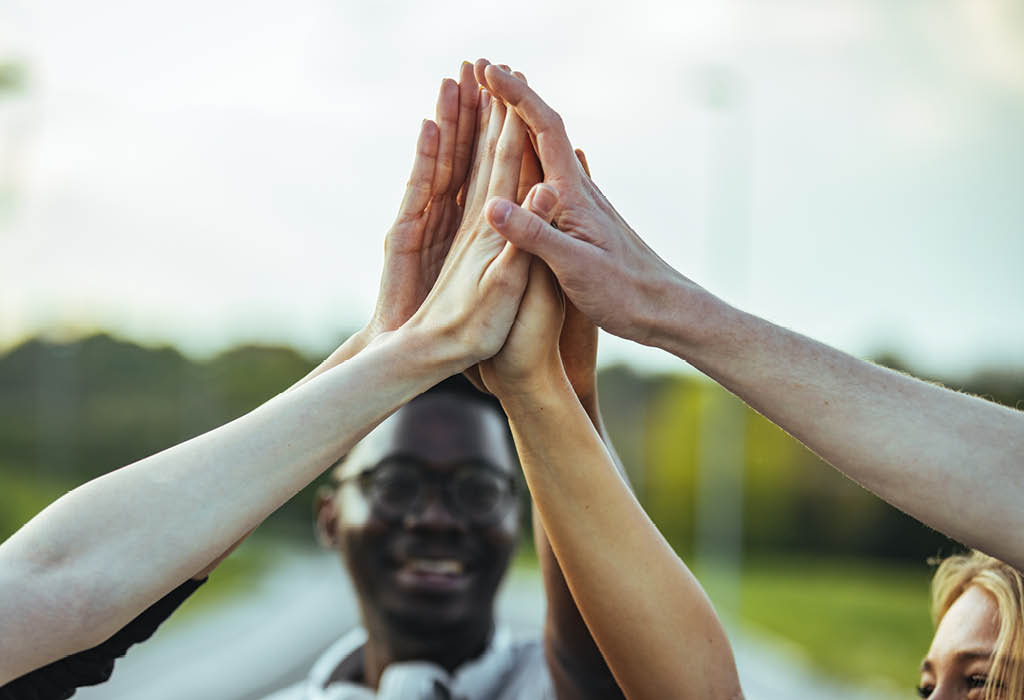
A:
x,y
457,386
1005,584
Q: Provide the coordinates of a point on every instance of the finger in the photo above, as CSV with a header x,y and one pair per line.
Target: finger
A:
x,y
417,190
582,158
469,98
530,232
508,157
553,147
448,121
478,71
538,201
530,173
533,139
483,117
486,149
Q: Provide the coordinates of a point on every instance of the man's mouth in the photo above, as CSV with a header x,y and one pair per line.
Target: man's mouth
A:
x,y
438,575
440,567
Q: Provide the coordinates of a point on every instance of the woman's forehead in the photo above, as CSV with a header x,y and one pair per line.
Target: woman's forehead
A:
x,y
968,630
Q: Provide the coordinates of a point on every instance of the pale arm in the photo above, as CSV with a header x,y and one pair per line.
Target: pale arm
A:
x,y
952,461
94,559
651,620
88,563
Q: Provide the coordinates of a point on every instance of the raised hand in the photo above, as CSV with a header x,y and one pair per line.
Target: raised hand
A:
x,y
474,301
429,216
602,265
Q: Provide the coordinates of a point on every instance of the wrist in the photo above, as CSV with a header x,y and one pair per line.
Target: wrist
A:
x,y
428,350
539,386
683,317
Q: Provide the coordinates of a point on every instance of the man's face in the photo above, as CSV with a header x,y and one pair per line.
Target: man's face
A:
x,y
433,565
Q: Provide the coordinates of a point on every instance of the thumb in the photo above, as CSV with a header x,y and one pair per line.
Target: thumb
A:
x,y
530,232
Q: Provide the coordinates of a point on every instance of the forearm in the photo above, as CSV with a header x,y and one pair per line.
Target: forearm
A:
x,y
577,666
352,346
921,447
113,546
657,631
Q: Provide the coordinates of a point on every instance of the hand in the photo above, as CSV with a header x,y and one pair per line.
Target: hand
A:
x,y
529,175
473,304
602,265
429,216
530,356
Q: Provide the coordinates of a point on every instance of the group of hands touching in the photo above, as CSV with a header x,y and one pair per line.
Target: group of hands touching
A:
x,y
502,263
494,180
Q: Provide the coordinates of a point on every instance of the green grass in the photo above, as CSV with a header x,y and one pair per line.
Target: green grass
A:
x,y
856,620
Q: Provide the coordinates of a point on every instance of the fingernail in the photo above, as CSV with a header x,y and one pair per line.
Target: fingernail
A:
x,y
501,209
544,199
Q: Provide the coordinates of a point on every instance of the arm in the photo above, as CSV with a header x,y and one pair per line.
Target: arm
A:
x,y
657,631
71,577
428,217
918,446
577,666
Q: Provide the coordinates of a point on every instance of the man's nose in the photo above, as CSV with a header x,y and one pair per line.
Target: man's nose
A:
x,y
434,513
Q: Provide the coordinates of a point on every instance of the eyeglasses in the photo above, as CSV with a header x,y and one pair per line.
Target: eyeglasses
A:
x,y
398,488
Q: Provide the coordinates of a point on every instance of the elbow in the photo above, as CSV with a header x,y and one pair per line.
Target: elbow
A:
x,y
78,608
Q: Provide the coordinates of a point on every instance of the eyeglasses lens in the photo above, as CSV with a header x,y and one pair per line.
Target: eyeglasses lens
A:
x,y
475,493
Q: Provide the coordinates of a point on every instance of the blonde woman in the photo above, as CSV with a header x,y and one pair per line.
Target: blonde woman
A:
x,y
978,649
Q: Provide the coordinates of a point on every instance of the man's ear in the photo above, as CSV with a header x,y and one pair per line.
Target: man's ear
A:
x,y
326,517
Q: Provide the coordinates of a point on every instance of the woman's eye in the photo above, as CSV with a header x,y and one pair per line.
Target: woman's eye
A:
x,y
977,681
924,691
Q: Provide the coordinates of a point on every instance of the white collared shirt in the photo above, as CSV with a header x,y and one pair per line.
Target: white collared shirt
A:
x,y
507,670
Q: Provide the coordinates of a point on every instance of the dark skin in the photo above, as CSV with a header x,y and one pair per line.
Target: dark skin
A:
x,y
446,431
410,618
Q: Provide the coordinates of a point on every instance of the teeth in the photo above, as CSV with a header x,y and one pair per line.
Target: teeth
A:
x,y
444,567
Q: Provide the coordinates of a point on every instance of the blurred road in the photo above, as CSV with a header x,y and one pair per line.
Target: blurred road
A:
x,y
267,638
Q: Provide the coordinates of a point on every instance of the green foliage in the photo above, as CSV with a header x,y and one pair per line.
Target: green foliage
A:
x,y
853,619
72,411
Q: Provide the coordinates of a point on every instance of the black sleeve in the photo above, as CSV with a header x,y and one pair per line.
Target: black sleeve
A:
x,y
58,681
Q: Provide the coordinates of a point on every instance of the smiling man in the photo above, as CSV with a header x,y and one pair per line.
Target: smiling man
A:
x,y
425,514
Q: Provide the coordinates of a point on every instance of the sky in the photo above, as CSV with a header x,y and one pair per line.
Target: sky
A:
x,y
208,173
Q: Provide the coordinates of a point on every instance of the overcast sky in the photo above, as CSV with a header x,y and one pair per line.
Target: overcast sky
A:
x,y
209,172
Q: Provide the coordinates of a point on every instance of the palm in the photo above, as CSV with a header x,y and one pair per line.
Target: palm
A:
x,y
430,214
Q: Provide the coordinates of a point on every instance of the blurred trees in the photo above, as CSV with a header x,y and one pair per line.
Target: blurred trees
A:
x,y
72,411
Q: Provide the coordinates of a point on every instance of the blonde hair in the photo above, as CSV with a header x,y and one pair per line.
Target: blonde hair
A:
x,y
1006,585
